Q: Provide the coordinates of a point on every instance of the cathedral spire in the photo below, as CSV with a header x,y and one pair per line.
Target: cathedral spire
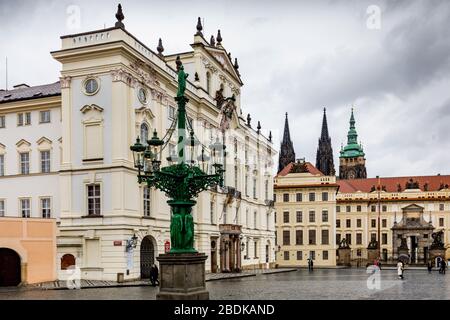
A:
x,y
287,153
324,157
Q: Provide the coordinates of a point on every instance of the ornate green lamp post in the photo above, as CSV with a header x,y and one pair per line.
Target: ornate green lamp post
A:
x,y
184,179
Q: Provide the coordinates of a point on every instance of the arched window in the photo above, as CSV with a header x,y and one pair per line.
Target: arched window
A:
x,y
208,82
144,133
67,260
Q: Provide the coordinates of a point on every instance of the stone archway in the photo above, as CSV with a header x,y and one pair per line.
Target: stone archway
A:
x,y
10,268
148,248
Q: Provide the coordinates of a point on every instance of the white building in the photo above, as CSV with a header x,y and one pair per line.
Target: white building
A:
x,y
112,89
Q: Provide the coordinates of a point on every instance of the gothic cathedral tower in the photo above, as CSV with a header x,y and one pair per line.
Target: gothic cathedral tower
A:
x,y
352,164
287,154
324,157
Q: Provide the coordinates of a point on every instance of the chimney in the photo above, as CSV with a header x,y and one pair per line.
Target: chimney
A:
x,y
21,86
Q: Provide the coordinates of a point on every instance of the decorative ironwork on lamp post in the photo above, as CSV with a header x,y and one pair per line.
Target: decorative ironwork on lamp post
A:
x,y
184,178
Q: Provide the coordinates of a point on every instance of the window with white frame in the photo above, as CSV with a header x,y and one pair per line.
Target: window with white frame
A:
x,y
268,221
2,208
46,208
254,188
256,249
45,161
2,122
24,163
23,119
171,113
266,190
2,165
93,199
146,199
246,185
236,219
44,116
236,176
255,219
25,208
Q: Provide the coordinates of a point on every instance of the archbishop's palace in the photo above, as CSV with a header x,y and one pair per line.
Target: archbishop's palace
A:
x,y
69,196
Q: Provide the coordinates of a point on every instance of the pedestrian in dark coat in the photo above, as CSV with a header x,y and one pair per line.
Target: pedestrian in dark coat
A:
x,y
443,266
154,275
429,266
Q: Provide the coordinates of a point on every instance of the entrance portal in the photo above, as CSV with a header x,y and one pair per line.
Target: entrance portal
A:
x,y
147,256
9,268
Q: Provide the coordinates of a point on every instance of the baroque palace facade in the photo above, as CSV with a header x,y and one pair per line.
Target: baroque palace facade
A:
x,y
316,211
65,157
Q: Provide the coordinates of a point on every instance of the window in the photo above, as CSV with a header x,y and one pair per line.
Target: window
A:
x,y
338,208
93,196
267,219
299,197
324,216
146,199
44,116
25,208
45,161
286,255
275,217
2,165
247,217
312,196
312,216
358,223
359,238
286,217
325,254
441,207
299,255
91,86
348,208
23,119
255,219
373,236
384,238
348,236
254,188
373,223
224,216
384,223
144,134
236,177
338,223
45,208
299,237
247,250
441,222
286,197
208,82
266,189
299,216
256,249
348,223
312,236
171,113
2,122
25,163
384,208
324,196
338,238
373,208
246,185
358,208
325,237
2,208
312,255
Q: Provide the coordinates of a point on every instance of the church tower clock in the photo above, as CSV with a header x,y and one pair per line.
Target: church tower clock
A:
x,y
352,161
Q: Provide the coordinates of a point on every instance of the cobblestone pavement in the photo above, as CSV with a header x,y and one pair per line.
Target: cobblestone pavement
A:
x,y
320,284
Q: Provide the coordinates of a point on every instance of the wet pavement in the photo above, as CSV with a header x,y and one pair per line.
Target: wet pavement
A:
x,y
320,284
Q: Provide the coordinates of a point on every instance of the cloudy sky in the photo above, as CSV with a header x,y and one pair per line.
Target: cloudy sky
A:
x,y
295,57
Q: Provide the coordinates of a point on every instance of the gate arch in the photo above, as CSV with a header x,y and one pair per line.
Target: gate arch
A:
x,y
148,248
10,270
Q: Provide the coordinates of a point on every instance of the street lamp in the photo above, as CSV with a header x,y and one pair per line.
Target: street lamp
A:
x,y
132,243
183,179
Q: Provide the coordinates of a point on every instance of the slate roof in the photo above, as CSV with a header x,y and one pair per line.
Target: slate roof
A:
x,y
46,90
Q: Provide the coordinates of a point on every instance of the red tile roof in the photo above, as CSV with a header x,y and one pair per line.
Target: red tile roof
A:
x,y
365,185
311,169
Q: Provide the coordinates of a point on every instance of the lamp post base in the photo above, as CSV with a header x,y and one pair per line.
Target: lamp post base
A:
x,y
182,276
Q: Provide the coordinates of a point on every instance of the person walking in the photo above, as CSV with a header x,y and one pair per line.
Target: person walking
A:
x,y
429,266
154,275
312,265
443,266
400,269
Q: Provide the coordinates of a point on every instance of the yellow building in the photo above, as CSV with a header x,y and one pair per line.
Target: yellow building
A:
x,y
305,207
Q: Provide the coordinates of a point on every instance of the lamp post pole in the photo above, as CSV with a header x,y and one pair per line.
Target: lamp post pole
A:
x,y
181,182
